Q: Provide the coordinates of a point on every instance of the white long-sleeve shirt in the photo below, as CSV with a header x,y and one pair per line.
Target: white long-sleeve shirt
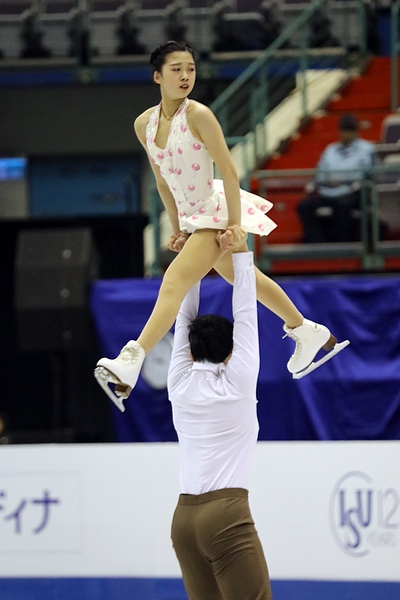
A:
x,y
214,405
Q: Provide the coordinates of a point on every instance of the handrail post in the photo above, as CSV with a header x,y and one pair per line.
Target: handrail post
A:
x,y
155,221
363,28
376,260
254,108
394,24
366,222
259,108
267,103
223,118
303,72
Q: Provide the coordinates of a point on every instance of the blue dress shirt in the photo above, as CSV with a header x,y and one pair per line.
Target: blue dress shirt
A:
x,y
355,158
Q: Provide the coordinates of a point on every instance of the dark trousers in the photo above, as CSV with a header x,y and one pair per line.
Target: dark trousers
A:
x,y
218,548
341,226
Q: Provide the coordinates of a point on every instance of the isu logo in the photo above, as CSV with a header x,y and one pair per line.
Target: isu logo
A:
x,y
362,515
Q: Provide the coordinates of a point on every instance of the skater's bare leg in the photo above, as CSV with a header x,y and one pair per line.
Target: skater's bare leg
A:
x,y
193,262
118,376
269,293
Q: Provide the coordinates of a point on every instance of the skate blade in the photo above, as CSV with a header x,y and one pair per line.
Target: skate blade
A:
x,y
314,365
121,391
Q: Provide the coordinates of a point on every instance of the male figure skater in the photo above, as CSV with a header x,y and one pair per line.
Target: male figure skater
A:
x,y
212,387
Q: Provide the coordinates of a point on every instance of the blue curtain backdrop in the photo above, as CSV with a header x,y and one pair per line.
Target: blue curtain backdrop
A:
x,y
354,396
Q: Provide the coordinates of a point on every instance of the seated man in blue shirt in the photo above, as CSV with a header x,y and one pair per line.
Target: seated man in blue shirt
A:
x,y
337,191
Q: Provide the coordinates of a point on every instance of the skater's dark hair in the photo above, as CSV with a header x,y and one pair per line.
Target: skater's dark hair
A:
x,y
210,338
159,55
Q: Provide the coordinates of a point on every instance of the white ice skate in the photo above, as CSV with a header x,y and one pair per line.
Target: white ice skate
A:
x,y
310,338
122,372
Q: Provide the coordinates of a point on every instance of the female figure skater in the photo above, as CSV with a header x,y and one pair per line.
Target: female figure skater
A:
x,y
183,139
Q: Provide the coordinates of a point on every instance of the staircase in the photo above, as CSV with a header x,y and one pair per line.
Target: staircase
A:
x,y
366,96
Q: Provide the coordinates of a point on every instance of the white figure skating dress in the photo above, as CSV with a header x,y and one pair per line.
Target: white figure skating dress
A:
x,y
188,170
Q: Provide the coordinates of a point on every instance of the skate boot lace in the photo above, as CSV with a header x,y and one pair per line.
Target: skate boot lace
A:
x,y
299,345
128,354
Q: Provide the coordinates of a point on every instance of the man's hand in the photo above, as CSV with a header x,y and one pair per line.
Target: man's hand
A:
x,y
233,238
177,241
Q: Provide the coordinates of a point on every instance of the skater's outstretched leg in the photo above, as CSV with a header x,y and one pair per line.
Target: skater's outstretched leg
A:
x,y
269,293
195,260
309,337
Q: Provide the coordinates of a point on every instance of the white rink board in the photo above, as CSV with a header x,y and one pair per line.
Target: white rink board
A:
x,y
324,511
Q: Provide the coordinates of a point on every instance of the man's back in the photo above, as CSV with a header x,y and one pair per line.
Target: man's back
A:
x,y
214,405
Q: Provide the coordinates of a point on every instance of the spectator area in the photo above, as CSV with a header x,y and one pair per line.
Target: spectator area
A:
x,y
368,97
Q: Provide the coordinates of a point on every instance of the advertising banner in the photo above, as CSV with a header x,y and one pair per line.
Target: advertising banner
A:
x,y
324,511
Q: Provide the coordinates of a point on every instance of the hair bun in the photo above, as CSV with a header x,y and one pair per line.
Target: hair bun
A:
x,y
158,50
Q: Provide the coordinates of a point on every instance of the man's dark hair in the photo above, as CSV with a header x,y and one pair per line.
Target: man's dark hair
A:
x,y
159,55
211,338
348,122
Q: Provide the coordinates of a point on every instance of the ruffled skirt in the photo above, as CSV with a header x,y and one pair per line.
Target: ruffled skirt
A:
x,y
213,213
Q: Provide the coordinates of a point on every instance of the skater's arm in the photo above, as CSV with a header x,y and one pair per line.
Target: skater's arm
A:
x,y
181,358
243,366
206,128
162,186
167,199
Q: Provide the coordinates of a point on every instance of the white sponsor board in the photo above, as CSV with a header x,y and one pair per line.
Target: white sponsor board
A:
x,y
329,510
323,510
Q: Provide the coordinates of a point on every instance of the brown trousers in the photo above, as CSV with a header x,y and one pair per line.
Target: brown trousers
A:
x,y
218,548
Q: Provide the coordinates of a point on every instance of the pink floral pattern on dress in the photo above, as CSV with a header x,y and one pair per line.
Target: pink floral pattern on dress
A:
x,y
188,170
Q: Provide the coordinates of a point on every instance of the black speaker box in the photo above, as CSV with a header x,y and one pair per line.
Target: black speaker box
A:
x,y
54,270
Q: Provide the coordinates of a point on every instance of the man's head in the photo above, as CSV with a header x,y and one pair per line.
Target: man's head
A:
x,y
348,128
211,338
